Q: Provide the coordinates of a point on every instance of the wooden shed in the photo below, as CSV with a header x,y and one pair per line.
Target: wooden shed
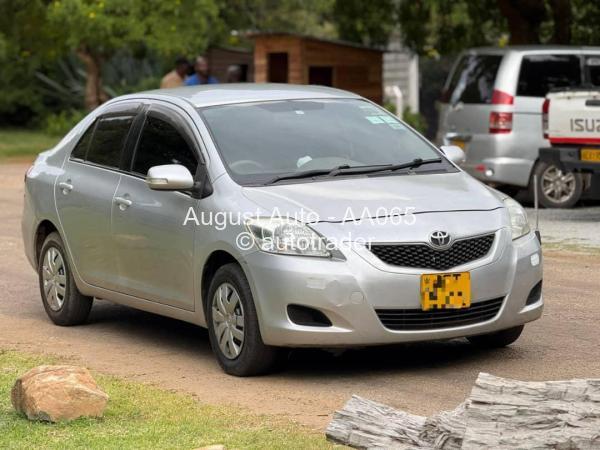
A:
x,y
299,59
221,58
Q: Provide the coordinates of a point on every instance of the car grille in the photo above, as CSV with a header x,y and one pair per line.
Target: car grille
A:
x,y
415,319
425,257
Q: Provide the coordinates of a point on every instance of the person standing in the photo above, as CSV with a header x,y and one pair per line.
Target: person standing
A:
x,y
176,77
201,73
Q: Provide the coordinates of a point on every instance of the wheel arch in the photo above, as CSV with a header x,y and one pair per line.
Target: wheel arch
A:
x,y
44,228
216,260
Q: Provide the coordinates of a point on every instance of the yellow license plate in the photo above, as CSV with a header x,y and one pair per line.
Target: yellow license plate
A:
x,y
445,291
459,143
590,154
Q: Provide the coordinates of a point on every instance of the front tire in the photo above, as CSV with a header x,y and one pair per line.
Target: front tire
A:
x,y
63,302
233,326
498,339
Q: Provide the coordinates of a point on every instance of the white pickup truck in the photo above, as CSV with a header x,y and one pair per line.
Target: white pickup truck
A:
x,y
571,122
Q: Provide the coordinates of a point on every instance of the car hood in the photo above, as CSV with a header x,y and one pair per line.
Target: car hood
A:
x,y
340,200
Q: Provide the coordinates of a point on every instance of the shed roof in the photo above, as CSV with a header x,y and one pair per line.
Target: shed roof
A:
x,y
313,38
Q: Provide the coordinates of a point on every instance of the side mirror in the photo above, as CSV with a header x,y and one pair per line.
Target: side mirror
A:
x,y
454,153
170,177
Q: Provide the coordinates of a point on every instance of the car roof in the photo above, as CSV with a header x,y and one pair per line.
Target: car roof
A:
x,y
223,94
532,49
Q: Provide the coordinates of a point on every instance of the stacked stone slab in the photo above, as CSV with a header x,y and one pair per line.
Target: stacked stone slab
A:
x,y
500,413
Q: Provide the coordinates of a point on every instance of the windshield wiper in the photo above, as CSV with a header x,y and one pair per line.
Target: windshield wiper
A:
x,y
417,162
306,174
345,169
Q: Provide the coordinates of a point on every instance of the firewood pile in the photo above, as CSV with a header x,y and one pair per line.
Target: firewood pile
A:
x,y
500,413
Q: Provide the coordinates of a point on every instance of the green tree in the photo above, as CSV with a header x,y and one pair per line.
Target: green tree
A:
x,y
298,16
447,26
22,35
365,22
96,29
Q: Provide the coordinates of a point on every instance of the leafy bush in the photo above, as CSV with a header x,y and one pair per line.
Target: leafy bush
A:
x,y
59,124
415,120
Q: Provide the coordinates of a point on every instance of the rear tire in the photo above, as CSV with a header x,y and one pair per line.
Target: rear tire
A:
x,y
63,302
233,327
555,188
498,339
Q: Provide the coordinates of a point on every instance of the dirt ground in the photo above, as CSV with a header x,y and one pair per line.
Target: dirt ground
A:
x,y
420,378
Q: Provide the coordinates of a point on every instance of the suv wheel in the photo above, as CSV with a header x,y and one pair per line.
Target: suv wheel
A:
x,y
498,339
557,189
63,302
233,326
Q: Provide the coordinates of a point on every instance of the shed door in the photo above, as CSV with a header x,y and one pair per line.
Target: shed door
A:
x,y
278,67
322,76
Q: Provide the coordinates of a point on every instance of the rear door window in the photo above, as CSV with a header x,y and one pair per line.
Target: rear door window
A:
x,y
81,148
161,143
541,73
592,68
473,79
108,141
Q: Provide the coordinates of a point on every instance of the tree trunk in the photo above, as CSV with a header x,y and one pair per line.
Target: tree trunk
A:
x,y
524,18
94,93
561,13
499,414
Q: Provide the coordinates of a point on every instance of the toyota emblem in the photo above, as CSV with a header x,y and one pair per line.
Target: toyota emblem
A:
x,y
440,239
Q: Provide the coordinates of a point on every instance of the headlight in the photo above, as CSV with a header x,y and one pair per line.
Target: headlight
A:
x,y
519,224
287,237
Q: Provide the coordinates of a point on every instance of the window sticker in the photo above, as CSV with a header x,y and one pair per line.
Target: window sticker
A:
x,y
397,126
299,112
370,109
374,119
389,119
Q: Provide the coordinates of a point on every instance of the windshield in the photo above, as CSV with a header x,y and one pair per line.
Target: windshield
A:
x,y
261,142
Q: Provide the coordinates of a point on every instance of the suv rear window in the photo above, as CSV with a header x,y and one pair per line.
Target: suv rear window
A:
x,y
473,79
592,66
541,73
109,139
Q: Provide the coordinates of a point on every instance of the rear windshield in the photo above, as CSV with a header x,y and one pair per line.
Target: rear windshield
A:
x,y
541,73
473,79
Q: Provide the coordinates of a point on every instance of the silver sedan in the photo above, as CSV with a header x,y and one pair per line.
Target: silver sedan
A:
x,y
277,216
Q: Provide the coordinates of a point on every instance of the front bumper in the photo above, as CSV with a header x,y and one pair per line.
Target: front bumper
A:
x,y
348,292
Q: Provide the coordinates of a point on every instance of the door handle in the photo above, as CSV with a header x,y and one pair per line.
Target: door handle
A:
x,y
123,203
66,187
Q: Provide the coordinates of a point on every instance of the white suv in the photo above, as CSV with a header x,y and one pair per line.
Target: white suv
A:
x,y
492,106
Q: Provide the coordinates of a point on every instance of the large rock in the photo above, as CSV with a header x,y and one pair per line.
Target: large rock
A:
x,y
55,393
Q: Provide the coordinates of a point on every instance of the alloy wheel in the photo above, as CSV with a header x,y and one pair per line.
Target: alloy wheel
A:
x,y
558,186
228,320
54,278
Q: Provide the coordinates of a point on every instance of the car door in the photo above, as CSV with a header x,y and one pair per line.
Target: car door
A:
x,y
155,251
84,192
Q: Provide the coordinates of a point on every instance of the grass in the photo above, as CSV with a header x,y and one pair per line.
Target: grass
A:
x,y
143,416
24,143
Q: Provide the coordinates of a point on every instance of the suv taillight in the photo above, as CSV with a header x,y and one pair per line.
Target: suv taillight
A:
x,y
501,122
545,109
